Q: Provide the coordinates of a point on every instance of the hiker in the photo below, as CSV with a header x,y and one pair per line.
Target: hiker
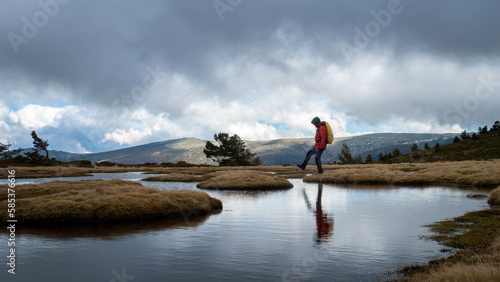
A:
x,y
319,147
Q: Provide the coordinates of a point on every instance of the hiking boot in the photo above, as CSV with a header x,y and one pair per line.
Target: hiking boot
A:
x,y
320,172
302,166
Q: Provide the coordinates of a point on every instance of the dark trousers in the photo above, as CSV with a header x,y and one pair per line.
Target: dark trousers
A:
x,y
314,151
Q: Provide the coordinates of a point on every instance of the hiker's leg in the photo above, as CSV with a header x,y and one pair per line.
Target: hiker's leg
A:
x,y
319,152
308,156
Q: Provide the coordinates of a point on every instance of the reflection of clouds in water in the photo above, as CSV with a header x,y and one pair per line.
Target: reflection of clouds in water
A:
x,y
334,196
266,234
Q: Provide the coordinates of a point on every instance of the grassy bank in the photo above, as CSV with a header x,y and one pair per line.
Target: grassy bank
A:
x,y
494,199
178,177
63,171
187,174
244,180
475,173
477,236
484,147
91,201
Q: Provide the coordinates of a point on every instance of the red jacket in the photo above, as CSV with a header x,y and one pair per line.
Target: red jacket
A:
x,y
321,135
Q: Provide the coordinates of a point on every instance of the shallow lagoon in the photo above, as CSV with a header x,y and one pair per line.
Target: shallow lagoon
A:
x,y
349,233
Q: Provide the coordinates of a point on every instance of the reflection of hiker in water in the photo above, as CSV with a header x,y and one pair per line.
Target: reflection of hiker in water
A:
x,y
324,224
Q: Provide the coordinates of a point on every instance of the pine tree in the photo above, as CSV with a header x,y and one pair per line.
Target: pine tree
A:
x,y
345,156
496,126
230,151
465,135
358,160
40,144
426,146
396,152
5,147
456,140
381,157
414,148
437,148
369,159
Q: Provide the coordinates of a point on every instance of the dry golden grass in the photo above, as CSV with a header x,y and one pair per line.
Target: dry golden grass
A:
x,y
462,272
63,171
468,267
90,201
244,180
476,173
494,198
46,171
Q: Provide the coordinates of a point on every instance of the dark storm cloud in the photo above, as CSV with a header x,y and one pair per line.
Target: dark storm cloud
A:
x,y
99,50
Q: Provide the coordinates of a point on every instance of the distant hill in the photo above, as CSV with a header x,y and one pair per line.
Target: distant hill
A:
x,y
271,152
485,147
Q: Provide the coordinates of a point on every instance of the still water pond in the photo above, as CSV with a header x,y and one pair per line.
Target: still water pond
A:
x,y
308,233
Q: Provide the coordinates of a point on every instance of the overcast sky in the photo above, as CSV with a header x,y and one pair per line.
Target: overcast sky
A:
x,y
96,75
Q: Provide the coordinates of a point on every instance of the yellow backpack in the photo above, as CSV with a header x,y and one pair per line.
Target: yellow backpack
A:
x,y
329,133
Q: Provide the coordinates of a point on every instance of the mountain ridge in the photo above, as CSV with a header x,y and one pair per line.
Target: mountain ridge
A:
x,y
271,152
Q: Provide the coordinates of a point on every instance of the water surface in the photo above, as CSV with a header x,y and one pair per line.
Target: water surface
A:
x,y
310,232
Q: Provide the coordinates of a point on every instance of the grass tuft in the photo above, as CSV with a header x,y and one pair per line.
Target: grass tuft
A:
x,y
474,173
494,199
99,201
244,180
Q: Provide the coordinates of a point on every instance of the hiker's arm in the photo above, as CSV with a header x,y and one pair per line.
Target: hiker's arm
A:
x,y
324,135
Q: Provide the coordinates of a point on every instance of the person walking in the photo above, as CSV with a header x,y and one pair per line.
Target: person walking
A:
x,y
319,146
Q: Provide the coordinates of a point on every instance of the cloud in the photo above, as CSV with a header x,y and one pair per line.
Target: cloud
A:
x,y
36,116
410,126
128,137
141,72
256,131
143,127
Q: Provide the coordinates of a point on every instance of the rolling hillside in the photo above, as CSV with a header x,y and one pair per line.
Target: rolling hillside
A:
x,y
271,152
486,147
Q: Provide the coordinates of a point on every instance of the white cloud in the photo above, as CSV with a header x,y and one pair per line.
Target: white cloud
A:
x,y
141,126
4,111
255,131
37,117
131,136
80,149
399,125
